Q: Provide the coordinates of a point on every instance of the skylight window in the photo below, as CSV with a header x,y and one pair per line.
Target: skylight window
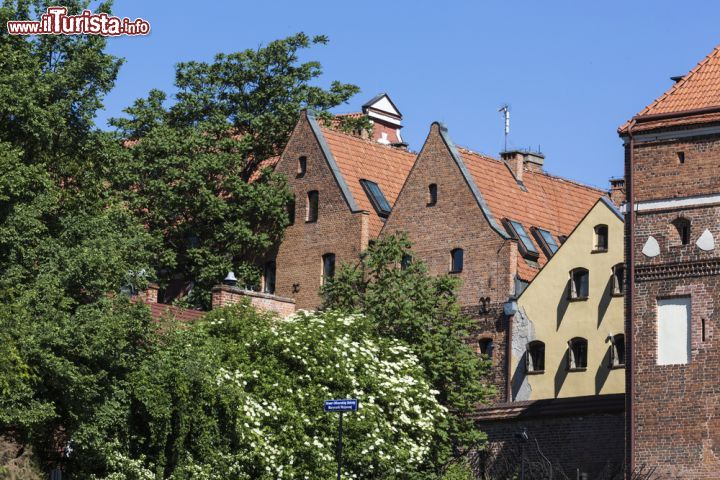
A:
x,y
526,244
378,200
546,241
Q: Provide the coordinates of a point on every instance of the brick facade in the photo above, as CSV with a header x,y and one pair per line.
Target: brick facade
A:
x,y
676,408
456,221
337,230
224,295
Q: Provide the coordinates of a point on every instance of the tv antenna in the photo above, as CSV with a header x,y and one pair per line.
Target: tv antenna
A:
x,y
505,110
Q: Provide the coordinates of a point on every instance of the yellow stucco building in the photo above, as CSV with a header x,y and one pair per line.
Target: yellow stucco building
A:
x,y
568,332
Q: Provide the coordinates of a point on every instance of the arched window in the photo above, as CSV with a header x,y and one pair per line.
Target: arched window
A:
x,y
618,278
535,357
328,267
617,352
302,166
456,260
579,284
486,347
577,354
313,199
601,238
682,229
432,194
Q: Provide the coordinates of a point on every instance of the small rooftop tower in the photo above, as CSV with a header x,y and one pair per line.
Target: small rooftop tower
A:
x,y
386,118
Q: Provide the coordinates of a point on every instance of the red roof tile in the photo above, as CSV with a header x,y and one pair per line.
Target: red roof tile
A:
x,y
699,89
358,159
267,163
550,203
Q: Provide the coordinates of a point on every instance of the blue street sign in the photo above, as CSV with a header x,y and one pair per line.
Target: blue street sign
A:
x,y
347,405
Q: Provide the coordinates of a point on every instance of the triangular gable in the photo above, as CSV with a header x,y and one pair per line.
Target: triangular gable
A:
x,y
382,103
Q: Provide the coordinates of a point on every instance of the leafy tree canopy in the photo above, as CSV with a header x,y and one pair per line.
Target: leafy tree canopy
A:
x,y
193,170
404,302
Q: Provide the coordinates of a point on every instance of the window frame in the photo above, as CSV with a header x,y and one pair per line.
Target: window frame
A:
x,y
527,249
377,197
542,240
453,254
573,294
312,211
432,195
597,247
572,360
530,358
326,258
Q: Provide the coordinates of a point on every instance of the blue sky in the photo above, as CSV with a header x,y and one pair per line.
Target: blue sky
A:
x,y
572,71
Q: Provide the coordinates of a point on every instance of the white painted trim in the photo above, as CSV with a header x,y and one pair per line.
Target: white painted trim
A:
x,y
385,118
673,203
655,137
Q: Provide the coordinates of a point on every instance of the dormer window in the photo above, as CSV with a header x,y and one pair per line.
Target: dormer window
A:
x,y
432,194
546,241
302,166
579,284
600,243
527,247
378,200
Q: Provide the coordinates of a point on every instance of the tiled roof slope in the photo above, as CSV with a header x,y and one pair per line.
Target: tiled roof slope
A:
x,y
550,203
358,159
699,89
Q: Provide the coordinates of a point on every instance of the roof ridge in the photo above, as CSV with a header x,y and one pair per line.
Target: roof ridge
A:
x,y
683,81
368,141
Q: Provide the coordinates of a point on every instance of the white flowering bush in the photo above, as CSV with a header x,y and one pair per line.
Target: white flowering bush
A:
x,y
240,396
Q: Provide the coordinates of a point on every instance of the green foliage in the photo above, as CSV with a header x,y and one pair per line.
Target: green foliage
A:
x,y
188,172
410,305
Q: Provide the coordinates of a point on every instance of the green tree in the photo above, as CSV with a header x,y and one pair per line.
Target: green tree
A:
x,y
405,302
192,172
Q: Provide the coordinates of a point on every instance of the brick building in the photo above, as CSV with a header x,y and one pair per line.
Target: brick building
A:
x,y
672,160
483,220
344,188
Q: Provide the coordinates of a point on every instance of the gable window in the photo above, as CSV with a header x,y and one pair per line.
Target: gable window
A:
x,y
577,354
618,278
432,194
269,277
546,241
378,200
617,352
535,357
601,238
456,260
302,166
673,331
579,284
681,157
682,228
311,214
486,347
328,267
527,247
291,211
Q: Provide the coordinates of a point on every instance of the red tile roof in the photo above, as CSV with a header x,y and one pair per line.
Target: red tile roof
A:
x,y
699,89
358,159
267,163
551,203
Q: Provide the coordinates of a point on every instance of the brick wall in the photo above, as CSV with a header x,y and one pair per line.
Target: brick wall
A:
x,y
676,408
456,221
590,443
224,295
337,230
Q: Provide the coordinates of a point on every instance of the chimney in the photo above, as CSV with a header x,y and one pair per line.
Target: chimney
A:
x,y
617,191
520,160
